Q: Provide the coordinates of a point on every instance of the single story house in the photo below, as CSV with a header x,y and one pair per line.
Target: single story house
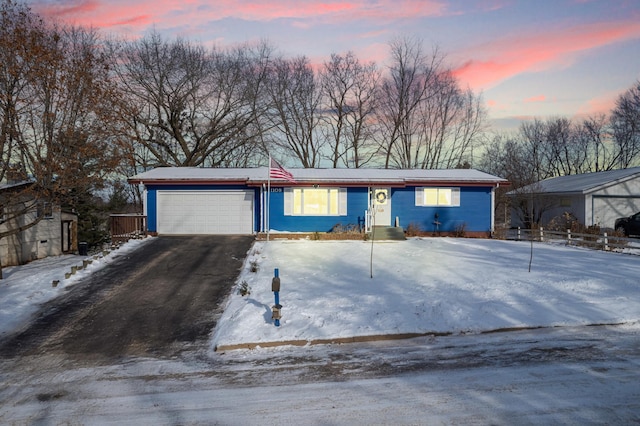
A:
x,y
55,232
597,198
182,200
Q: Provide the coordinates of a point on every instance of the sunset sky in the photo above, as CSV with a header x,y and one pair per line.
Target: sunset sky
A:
x,y
529,58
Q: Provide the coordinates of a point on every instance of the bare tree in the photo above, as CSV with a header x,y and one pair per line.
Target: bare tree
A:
x,y
187,106
55,114
596,133
295,101
508,157
532,134
451,124
349,90
426,119
565,150
625,124
411,73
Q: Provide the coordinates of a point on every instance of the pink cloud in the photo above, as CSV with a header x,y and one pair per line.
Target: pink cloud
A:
x,y
382,9
99,13
103,13
506,58
602,104
71,9
264,11
539,98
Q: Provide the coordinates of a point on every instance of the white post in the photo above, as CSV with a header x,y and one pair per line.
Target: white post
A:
x,y
268,196
568,236
518,237
541,234
606,242
262,202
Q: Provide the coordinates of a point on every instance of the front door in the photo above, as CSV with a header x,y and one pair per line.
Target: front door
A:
x,y
381,203
66,236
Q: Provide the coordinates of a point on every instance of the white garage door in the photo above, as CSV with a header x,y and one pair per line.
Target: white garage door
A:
x,y
607,209
205,212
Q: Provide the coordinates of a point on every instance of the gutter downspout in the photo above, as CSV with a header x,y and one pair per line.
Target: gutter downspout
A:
x,y
493,208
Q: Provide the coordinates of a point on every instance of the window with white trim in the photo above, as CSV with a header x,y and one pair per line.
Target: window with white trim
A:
x,y
440,197
315,201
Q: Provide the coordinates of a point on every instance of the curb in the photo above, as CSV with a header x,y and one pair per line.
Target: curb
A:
x,y
337,340
383,337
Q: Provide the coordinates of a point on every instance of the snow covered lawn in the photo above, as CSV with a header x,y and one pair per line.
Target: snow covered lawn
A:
x,y
423,285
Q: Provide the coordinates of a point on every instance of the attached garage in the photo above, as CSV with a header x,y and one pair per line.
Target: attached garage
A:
x,y
205,212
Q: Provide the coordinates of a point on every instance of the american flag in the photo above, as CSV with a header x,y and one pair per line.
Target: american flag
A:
x,y
276,171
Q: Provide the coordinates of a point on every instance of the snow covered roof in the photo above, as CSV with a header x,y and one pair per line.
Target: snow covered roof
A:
x,y
12,185
259,175
582,183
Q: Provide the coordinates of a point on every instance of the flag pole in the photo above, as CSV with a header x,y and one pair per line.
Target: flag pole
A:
x,y
268,195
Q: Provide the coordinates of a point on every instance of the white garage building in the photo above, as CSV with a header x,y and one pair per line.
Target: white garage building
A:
x,y
593,198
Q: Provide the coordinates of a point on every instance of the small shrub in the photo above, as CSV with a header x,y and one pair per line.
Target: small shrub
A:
x,y
500,233
244,289
253,266
617,238
345,229
563,222
592,230
413,230
460,230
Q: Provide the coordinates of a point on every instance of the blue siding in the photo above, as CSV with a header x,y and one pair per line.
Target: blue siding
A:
x,y
357,202
152,209
474,211
152,197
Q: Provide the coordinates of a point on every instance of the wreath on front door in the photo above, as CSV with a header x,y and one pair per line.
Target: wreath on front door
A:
x,y
381,197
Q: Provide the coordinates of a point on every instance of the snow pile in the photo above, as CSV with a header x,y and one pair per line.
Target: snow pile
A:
x,y
437,285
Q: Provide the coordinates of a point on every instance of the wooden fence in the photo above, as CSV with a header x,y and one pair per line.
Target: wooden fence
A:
x,y
603,241
125,227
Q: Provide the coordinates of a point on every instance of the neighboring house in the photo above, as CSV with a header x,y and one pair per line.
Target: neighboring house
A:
x,y
53,235
593,198
244,201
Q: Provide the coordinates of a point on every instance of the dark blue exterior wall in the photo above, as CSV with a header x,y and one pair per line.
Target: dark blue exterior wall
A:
x,y
474,211
152,196
357,202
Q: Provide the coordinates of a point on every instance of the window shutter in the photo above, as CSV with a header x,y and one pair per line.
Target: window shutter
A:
x,y
288,201
455,196
342,202
419,196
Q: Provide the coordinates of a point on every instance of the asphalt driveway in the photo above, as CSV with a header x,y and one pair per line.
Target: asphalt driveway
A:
x,y
159,300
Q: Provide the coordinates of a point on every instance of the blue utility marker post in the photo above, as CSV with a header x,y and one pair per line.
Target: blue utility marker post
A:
x,y
275,287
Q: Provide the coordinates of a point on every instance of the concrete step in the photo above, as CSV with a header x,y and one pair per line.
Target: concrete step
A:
x,y
394,233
